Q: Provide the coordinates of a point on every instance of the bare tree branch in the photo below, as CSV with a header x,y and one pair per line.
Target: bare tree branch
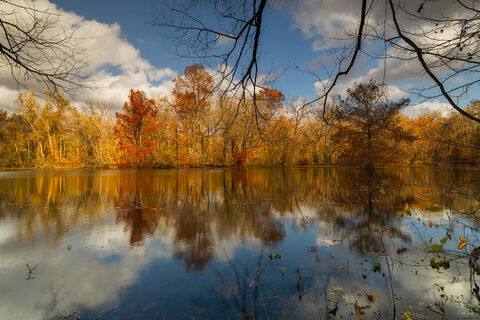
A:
x,y
34,46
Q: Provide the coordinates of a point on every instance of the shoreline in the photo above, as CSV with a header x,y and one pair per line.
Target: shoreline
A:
x,y
60,168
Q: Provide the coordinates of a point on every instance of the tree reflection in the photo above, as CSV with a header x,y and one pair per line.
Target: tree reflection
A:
x,y
200,208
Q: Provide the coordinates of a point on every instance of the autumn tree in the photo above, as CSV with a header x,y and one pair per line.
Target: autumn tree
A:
x,y
192,98
248,127
316,145
268,103
276,129
53,121
365,127
134,130
369,123
41,131
3,131
238,131
192,91
93,126
3,122
452,139
439,37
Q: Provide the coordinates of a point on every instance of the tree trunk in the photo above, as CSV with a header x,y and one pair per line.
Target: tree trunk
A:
x,y
369,167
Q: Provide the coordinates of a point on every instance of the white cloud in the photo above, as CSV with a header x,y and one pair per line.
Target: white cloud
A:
x,y
84,274
331,24
325,21
105,49
394,91
434,106
8,96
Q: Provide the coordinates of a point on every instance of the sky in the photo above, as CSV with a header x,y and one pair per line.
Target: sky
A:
x,y
125,51
281,45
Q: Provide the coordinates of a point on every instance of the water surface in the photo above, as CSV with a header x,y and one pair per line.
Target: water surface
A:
x,y
239,244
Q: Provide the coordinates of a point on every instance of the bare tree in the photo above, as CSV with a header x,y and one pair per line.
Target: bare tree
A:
x,y
35,46
230,46
408,30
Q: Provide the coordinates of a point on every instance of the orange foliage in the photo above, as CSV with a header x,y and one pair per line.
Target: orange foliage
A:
x,y
270,101
135,128
188,161
192,90
239,158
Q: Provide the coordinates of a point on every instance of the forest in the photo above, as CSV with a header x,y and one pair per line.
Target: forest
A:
x,y
196,127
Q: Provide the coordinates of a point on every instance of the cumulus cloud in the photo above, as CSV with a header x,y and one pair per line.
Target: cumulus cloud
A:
x,y
329,23
114,65
332,24
86,274
434,106
325,22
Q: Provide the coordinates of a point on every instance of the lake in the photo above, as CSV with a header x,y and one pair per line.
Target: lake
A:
x,y
314,243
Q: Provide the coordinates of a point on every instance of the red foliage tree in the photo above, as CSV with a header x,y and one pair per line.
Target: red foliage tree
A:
x,y
135,128
239,158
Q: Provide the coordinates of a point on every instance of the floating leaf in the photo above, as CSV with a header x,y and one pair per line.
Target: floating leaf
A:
x,y
461,245
436,247
433,209
443,240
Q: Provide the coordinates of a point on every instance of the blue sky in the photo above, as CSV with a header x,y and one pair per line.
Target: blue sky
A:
x,y
124,51
284,46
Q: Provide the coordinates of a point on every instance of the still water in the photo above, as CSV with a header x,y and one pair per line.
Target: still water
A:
x,y
239,244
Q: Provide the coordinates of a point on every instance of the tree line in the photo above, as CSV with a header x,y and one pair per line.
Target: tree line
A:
x,y
197,127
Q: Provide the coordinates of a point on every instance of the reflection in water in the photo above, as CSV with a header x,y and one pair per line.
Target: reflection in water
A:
x,y
203,243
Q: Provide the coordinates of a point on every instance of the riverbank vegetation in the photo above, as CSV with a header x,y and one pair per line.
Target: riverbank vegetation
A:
x,y
196,127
